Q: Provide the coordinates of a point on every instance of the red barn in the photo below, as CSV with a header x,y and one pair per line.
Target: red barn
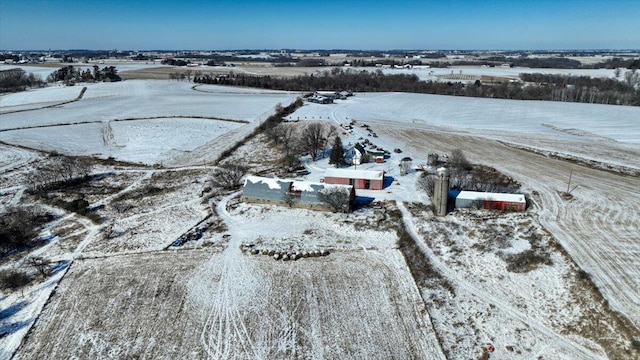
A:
x,y
490,201
359,179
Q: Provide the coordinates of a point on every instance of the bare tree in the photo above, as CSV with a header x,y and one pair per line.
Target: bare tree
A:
x,y
275,133
289,199
289,138
337,198
42,265
457,160
59,170
229,175
315,138
426,183
13,279
19,226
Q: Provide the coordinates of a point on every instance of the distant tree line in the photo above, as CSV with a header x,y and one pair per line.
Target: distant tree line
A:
x,y
534,86
13,80
70,74
546,62
583,88
616,63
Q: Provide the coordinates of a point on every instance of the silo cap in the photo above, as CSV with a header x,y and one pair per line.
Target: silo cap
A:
x,y
443,171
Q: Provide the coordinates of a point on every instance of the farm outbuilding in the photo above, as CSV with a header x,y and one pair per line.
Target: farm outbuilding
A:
x,y
377,155
490,201
295,193
359,179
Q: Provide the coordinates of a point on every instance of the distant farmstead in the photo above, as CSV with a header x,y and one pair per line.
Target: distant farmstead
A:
x,y
489,201
292,193
359,179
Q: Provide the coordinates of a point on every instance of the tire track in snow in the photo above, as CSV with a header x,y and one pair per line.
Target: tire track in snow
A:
x,y
224,330
599,228
14,157
561,341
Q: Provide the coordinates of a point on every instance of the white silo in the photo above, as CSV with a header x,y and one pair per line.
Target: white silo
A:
x,y
441,191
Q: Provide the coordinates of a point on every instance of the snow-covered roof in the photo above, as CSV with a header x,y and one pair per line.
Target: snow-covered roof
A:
x,y
310,186
273,183
355,174
476,195
295,185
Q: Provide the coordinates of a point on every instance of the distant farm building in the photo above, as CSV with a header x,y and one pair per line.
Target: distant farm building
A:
x,y
294,193
318,99
359,179
327,97
489,201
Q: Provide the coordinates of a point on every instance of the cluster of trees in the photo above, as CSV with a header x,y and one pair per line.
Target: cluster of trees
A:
x,y
601,91
617,63
465,176
19,228
337,198
538,62
13,80
70,75
580,89
228,176
60,171
294,140
175,62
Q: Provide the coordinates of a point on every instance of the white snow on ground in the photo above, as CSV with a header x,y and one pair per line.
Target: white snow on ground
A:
x,y
549,127
465,114
38,97
231,302
86,127
141,141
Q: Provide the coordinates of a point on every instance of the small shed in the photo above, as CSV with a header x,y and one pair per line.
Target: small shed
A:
x,y
490,201
377,155
359,179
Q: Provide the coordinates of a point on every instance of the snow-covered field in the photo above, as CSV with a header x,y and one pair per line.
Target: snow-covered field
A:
x,y
211,299
165,119
569,128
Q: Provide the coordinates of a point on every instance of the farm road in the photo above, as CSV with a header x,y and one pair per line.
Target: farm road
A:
x,y
599,227
560,341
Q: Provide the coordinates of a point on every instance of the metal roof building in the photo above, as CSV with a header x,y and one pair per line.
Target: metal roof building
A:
x,y
492,201
360,179
296,193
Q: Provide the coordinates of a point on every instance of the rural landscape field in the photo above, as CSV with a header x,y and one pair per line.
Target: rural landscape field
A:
x,y
147,256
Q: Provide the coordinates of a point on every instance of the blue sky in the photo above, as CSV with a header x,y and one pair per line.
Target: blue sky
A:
x,y
322,24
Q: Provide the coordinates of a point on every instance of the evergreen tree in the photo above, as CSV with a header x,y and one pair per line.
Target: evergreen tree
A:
x,y
337,152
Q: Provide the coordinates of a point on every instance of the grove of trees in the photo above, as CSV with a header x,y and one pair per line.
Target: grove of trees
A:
x,y
532,87
13,80
19,227
465,176
70,74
